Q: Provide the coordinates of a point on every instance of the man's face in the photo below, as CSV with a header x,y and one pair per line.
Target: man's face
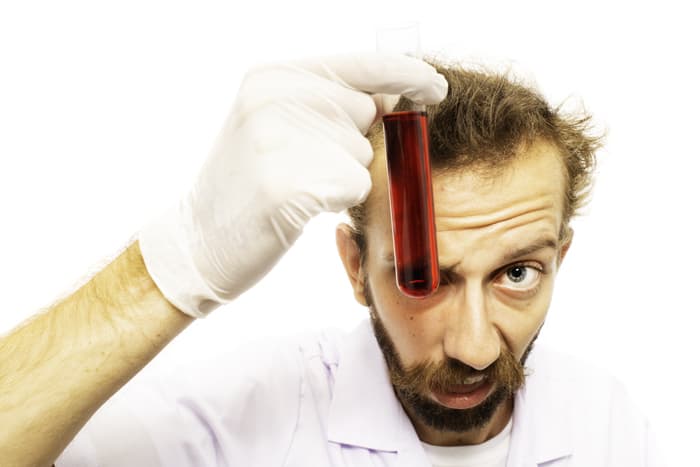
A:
x,y
455,357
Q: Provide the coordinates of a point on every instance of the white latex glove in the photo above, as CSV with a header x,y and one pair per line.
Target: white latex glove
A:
x,y
293,146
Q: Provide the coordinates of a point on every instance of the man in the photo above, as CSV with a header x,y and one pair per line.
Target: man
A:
x,y
439,381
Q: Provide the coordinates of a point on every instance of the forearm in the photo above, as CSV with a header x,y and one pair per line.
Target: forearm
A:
x,y
58,368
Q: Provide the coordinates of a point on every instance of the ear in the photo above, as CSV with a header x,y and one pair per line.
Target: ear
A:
x,y
566,245
350,256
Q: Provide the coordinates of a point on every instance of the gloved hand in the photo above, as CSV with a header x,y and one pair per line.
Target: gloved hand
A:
x,y
292,147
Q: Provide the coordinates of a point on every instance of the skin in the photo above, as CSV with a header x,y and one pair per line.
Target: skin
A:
x,y
483,226
59,367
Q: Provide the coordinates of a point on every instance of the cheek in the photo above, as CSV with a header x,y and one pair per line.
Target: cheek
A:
x,y
411,324
417,327
519,323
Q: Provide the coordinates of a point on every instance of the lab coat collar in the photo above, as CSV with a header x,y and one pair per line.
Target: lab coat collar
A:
x,y
542,416
364,411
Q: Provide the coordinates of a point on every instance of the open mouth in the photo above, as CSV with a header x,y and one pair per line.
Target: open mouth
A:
x,y
463,396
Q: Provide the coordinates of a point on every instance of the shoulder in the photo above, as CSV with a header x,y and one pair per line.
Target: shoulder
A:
x,y
555,373
269,375
260,368
567,398
242,405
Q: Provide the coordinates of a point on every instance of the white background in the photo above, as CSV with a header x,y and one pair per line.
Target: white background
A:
x,y
107,110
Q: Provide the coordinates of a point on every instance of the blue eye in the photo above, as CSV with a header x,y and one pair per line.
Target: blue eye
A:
x,y
520,277
517,273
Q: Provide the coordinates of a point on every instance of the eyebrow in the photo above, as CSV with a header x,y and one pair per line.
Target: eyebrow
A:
x,y
511,255
540,244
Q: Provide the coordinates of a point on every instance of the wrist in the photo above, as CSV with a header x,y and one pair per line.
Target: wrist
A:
x,y
165,247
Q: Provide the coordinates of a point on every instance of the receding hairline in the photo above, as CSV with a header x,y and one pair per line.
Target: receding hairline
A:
x,y
478,129
482,169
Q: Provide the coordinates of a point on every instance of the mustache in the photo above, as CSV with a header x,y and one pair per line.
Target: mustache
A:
x,y
506,372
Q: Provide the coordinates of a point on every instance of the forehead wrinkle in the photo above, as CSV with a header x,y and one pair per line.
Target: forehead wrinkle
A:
x,y
510,217
530,182
499,247
475,189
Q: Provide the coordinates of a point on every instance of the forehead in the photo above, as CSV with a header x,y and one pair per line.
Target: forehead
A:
x,y
533,182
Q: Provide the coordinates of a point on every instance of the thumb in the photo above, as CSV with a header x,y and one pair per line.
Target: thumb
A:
x,y
385,104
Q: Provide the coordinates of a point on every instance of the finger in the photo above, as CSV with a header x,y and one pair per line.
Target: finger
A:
x,y
384,103
382,73
348,184
287,82
342,105
312,126
281,124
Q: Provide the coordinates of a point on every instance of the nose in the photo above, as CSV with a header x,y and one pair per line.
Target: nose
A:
x,y
470,336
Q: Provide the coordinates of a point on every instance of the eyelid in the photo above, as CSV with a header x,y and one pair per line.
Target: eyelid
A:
x,y
532,264
539,266
522,292
448,274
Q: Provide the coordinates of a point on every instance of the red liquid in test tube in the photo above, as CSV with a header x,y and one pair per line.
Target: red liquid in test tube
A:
x,y
411,200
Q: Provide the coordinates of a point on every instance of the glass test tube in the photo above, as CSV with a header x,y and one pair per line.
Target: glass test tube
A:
x,y
410,183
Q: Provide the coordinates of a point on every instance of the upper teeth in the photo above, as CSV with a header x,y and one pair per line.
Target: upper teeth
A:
x,y
473,379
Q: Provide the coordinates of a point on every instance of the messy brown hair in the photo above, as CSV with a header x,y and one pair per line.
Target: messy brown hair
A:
x,y
487,120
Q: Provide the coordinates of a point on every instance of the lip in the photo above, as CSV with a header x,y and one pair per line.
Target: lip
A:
x,y
463,396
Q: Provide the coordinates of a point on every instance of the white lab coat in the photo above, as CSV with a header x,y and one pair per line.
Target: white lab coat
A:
x,y
327,401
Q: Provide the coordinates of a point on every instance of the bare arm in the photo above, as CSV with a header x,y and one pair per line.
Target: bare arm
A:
x,y
271,169
58,368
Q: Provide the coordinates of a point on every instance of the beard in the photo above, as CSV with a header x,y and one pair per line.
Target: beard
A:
x,y
413,384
